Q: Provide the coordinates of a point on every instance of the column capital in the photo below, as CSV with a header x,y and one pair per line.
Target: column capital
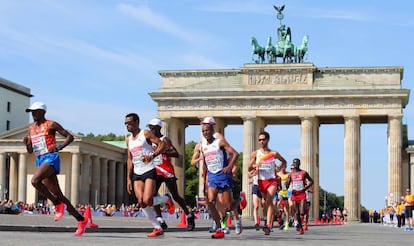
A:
x,y
307,117
395,117
248,118
351,117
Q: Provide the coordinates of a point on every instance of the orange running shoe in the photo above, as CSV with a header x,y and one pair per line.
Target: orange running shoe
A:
x,y
300,232
81,227
243,201
59,211
218,234
170,204
156,232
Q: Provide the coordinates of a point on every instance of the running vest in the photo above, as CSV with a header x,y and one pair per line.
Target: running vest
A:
x,y
213,155
41,139
298,180
138,148
267,163
163,164
284,178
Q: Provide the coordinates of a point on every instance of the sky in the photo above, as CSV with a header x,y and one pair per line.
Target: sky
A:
x,y
94,61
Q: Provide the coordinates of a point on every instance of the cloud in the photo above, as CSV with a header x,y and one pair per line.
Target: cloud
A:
x,y
146,15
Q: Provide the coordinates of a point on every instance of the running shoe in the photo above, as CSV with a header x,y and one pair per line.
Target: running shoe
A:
x,y
170,204
286,226
81,227
306,227
156,232
266,231
190,222
226,230
243,201
257,227
239,228
218,234
300,232
59,211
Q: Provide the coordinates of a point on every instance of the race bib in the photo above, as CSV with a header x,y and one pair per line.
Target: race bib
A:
x,y
298,186
214,165
39,145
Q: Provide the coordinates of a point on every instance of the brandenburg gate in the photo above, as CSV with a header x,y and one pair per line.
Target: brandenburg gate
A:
x,y
257,95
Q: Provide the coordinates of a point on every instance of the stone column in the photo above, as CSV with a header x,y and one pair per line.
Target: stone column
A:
x,y
394,155
85,179
22,191
95,181
120,183
176,133
220,125
249,140
75,179
3,175
307,143
13,177
315,194
411,184
351,167
103,198
111,181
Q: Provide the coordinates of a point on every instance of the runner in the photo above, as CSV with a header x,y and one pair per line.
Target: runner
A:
x,y
166,174
41,140
219,173
141,173
301,181
264,162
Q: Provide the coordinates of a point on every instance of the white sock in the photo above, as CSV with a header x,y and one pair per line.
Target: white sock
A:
x,y
160,219
150,214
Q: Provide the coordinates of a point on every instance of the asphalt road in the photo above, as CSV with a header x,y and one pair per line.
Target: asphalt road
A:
x,y
41,230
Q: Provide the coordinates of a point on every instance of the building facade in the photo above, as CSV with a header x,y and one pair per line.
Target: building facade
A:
x,y
14,99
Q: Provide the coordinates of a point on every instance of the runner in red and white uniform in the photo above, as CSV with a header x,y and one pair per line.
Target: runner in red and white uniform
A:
x,y
263,161
166,174
301,181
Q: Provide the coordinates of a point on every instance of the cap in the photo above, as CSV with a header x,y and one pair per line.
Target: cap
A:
x,y
208,120
36,106
155,122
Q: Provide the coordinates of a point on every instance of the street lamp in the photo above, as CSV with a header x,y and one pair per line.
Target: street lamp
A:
x,y
386,201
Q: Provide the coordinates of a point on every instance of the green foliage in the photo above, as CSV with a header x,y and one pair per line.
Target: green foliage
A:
x,y
330,201
108,137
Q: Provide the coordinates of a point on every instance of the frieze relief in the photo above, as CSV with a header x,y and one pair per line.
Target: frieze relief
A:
x,y
279,104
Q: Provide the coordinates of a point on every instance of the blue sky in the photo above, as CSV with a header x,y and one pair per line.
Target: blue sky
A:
x,y
94,61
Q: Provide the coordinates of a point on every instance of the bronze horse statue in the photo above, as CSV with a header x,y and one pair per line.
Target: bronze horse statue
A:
x,y
257,50
302,49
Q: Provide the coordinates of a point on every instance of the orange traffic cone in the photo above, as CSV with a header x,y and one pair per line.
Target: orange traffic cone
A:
x,y
88,216
230,221
183,221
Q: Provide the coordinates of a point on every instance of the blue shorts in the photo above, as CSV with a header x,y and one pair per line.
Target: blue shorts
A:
x,y
220,184
51,159
255,191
